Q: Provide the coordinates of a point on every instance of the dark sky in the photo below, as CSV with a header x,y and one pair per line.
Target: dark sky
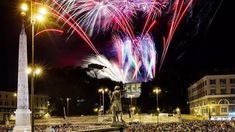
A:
x,y
203,44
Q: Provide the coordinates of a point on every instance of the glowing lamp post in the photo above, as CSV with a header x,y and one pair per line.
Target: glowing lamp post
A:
x,y
157,91
102,91
67,100
33,72
158,109
35,16
179,113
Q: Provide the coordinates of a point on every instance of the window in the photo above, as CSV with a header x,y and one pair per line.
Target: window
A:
x,y
213,92
212,86
212,102
204,110
232,109
223,101
204,103
222,81
232,90
224,110
213,110
213,81
232,102
232,81
223,91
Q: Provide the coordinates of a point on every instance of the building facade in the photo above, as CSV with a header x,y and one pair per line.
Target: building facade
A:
x,y
8,104
213,96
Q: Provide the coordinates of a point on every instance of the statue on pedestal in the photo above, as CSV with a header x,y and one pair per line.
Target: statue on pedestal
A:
x,y
116,105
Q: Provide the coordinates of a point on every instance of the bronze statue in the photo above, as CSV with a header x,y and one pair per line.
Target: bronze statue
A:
x,y
116,105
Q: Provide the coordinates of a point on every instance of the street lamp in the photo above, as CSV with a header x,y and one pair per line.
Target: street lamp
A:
x,y
158,109
95,110
35,71
24,7
157,91
67,100
179,113
177,110
103,90
34,17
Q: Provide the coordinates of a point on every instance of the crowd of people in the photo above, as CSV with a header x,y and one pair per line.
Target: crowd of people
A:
x,y
68,128
5,128
190,126
59,128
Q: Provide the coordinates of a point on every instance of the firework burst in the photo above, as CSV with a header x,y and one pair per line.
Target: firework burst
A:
x,y
136,56
135,60
101,15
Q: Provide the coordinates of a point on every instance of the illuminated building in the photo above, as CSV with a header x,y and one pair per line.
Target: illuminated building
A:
x,y
213,96
8,102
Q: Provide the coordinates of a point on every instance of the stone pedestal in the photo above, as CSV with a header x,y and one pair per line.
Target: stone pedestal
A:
x,y
23,121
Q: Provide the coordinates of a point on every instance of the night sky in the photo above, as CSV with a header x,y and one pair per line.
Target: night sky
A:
x,y
203,44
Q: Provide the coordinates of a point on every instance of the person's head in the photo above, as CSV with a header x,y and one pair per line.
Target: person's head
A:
x,y
117,88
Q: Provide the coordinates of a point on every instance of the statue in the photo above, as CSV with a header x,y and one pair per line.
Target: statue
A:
x,y
116,105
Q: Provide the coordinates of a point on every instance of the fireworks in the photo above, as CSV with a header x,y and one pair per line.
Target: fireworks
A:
x,y
49,30
136,60
110,69
179,10
101,15
70,22
136,57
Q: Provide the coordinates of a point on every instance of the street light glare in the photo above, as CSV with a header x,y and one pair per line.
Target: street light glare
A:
x,y
158,109
29,70
95,109
100,90
157,90
40,18
43,11
38,71
24,7
177,109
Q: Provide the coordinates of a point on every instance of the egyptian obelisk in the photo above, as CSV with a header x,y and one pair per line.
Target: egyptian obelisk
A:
x,y
22,112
